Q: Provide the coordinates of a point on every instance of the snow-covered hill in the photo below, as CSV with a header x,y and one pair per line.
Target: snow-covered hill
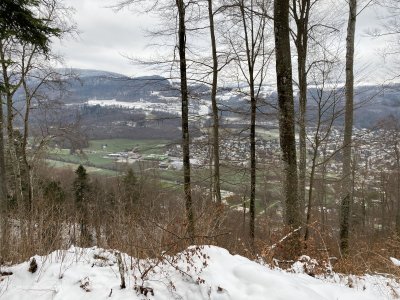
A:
x,y
155,92
82,73
196,274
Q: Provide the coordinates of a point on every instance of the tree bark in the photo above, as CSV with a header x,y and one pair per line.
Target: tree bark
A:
x,y
9,90
27,173
286,113
345,209
250,55
216,175
310,193
301,17
3,187
397,155
3,174
185,118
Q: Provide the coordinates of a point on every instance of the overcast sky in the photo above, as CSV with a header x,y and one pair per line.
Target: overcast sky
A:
x,y
107,37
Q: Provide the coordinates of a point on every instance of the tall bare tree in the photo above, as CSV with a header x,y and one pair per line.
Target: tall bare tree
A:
x,y
19,21
301,14
215,112
345,208
326,97
286,113
249,45
11,78
181,8
178,9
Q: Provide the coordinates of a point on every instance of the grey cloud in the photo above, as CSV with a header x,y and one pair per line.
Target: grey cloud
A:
x,y
107,35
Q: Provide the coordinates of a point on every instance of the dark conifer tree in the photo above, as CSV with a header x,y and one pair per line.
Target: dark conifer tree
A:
x,y
81,189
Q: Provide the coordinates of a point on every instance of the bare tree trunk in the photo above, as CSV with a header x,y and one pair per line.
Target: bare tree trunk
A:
x,y
10,128
383,201
302,140
185,118
286,114
27,173
364,206
310,191
347,196
216,175
211,168
3,175
397,154
9,90
323,196
3,189
252,57
252,163
301,16
253,106
12,150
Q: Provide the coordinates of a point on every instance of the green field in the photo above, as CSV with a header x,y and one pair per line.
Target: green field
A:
x,y
72,166
94,158
116,145
96,154
270,134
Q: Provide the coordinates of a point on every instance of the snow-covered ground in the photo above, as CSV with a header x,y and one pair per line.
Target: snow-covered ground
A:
x,y
167,105
170,107
198,273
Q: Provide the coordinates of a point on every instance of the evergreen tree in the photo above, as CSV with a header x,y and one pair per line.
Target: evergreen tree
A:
x,y
81,189
17,19
129,184
81,186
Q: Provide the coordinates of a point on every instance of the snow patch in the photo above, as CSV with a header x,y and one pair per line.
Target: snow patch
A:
x,y
395,261
198,273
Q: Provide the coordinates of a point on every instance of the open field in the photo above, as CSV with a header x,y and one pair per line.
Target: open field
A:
x,y
73,166
95,160
96,154
233,178
116,145
267,134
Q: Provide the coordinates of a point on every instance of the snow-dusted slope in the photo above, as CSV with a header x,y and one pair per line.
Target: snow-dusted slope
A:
x,y
206,273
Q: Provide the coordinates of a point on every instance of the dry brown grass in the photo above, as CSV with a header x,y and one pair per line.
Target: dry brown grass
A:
x,y
154,223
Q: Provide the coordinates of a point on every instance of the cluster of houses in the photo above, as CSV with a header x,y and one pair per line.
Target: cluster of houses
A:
x,y
235,149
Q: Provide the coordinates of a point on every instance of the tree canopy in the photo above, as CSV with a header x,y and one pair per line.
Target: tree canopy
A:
x,y
18,19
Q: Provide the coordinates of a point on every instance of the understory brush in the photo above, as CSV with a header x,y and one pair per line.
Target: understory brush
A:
x,y
137,215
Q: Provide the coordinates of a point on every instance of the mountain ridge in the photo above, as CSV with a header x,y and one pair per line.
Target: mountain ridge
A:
x,y
375,101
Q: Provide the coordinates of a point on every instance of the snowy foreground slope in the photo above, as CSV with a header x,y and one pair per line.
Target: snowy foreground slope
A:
x,y
198,273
